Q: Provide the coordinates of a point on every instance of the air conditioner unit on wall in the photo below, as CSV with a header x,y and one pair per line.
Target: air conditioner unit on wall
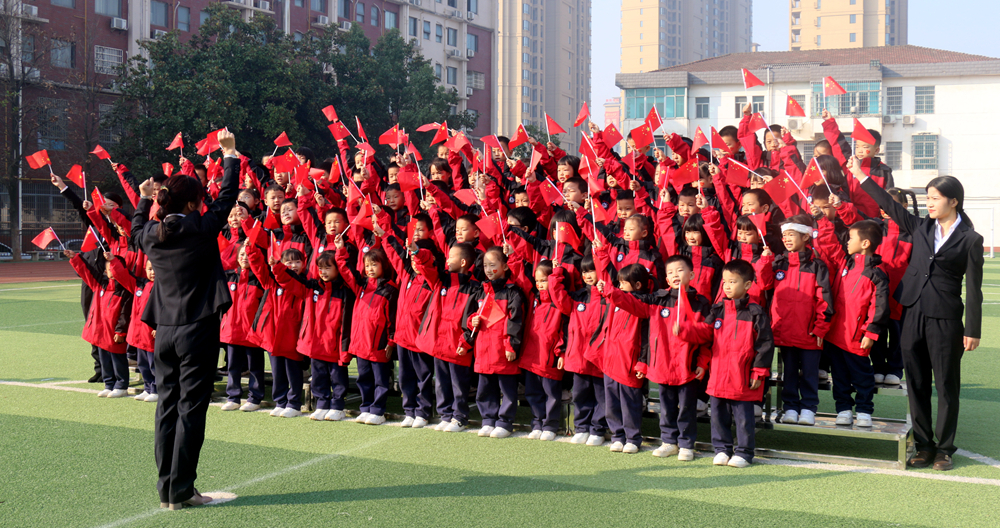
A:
x,y
29,10
322,20
345,25
909,120
470,15
794,124
468,92
119,23
159,33
263,4
888,120
470,53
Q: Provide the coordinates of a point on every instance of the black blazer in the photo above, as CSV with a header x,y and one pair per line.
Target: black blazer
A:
x,y
933,280
190,283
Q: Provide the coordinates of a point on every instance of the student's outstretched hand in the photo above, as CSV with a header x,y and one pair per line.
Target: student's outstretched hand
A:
x,y
474,323
699,373
854,165
58,182
767,252
227,140
338,241
748,109
634,185
87,205
69,253
109,255
146,188
699,200
594,128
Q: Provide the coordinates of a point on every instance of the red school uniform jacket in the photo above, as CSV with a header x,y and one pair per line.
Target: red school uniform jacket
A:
x,y
276,323
547,322
802,305
742,347
506,335
374,308
585,333
414,295
895,251
140,334
325,333
860,293
237,322
622,345
666,359
454,301
109,311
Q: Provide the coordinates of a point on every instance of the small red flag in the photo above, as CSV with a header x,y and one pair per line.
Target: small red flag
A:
x,y
44,238
582,116
353,192
653,119
760,222
90,241
457,142
168,169
178,142
737,174
364,217
757,122
600,213
408,178
831,87
410,227
466,196
642,135
612,136
330,113
750,80
553,127
686,173
719,143
75,175
428,127
862,134
271,220
410,149
780,188
361,130
390,137
97,198
520,137
202,147
812,175
492,141
367,148
491,311
699,141
489,226
38,159
339,131
551,193
565,234
101,153
536,157
441,135
255,233
793,108
282,140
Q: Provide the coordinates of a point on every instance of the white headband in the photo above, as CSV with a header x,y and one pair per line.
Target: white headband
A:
x,y
805,230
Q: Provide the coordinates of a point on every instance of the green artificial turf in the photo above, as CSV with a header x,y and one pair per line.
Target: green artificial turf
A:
x,y
70,459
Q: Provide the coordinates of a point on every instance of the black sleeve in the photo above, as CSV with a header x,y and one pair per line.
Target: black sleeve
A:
x,y
230,189
515,319
906,221
764,342
974,286
77,204
880,319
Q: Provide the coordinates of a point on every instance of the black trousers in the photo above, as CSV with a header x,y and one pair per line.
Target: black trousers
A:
x,y
933,348
186,359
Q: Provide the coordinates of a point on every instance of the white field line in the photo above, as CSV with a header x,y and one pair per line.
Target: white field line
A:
x,y
40,324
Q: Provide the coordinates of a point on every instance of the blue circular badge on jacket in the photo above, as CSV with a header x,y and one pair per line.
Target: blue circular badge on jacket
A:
x,y
620,257
718,324
665,313
232,287
280,291
444,291
138,293
780,275
581,307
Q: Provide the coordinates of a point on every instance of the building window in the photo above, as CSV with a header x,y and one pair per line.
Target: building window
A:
x,y
819,21
477,80
853,37
299,3
925,152
62,54
112,8
158,13
453,37
437,71
109,134
473,6
861,99
808,148
801,99
391,20
741,101
525,74
438,32
107,60
525,108
758,104
427,30
925,100
701,107
375,13
65,3
894,155
53,123
344,7
452,75
318,5
525,91
894,100
854,19
184,18
359,13
669,102
472,42
414,25
203,18
525,58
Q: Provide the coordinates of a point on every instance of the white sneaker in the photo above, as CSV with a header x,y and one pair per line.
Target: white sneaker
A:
x,y
547,436
104,393
595,440
630,448
230,406
249,407
879,378
454,426
790,417
533,435
824,375
738,462
685,454
892,379
319,414
335,415
579,438
864,420
441,426
141,396
375,419
665,450
277,411
758,411
407,422
486,431
845,418
152,398
419,422
721,459
362,418
291,413
616,447
499,432
807,417
117,393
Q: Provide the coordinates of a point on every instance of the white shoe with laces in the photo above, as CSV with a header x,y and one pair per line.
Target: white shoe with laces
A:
x,y
738,462
230,406
685,454
117,393
335,415
153,398
892,379
442,425
864,420
595,440
807,417
319,414
665,450
535,434
419,422
486,431
290,412
721,459
277,411
141,396
249,407
845,418
454,427
362,418
879,378
407,422
790,417
616,447
579,438
630,448
375,419
104,393
547,436
499,432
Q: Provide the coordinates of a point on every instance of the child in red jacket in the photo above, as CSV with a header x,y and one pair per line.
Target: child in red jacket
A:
x,y
861,312
371,328
107,322
497,336
622,374
324,336
801,310
742,351
672,363
895,249
140,335
236,332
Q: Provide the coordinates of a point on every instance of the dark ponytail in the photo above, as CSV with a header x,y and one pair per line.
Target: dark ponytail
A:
x,y
906,195
950,187
174,195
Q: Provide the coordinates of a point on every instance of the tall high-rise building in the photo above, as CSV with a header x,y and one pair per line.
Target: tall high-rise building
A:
x,y
830,24
543,64
661,34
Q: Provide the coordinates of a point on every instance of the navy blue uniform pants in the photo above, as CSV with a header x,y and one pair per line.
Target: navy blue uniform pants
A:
x,y
451,386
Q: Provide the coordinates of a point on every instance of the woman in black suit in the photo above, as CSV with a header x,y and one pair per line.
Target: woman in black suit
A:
x,y
185,307
945,248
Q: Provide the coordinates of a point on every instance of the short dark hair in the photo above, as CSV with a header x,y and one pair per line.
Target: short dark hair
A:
x,y
571,161
497,251
466,251
679,258
274,187
876,136
696,222
868,230
587,263
338,210
634,273
688,192
823,144
393,187
470,218
292,254
327,258
820,192
742,269
803,219
729,131
625,195
441,165
580,183
545,266
524,216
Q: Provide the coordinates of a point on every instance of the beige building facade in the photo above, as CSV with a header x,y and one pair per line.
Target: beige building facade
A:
x,y
835,24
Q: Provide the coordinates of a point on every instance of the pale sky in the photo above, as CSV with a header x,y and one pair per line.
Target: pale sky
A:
x,y
972,28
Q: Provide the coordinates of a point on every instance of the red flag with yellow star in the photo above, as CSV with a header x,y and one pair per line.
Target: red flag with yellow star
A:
x,y
793,108
750,80
612,136
831,87
642,135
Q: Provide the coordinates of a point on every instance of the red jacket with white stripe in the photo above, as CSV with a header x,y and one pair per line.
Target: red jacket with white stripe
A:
x,y
415,294
545,334
109,311
802,305
140,334
585,334
326,321
279,316
622,346
493,342
372,321
237,322
440,330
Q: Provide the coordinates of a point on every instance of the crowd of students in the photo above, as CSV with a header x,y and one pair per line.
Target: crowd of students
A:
x,y
555,276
